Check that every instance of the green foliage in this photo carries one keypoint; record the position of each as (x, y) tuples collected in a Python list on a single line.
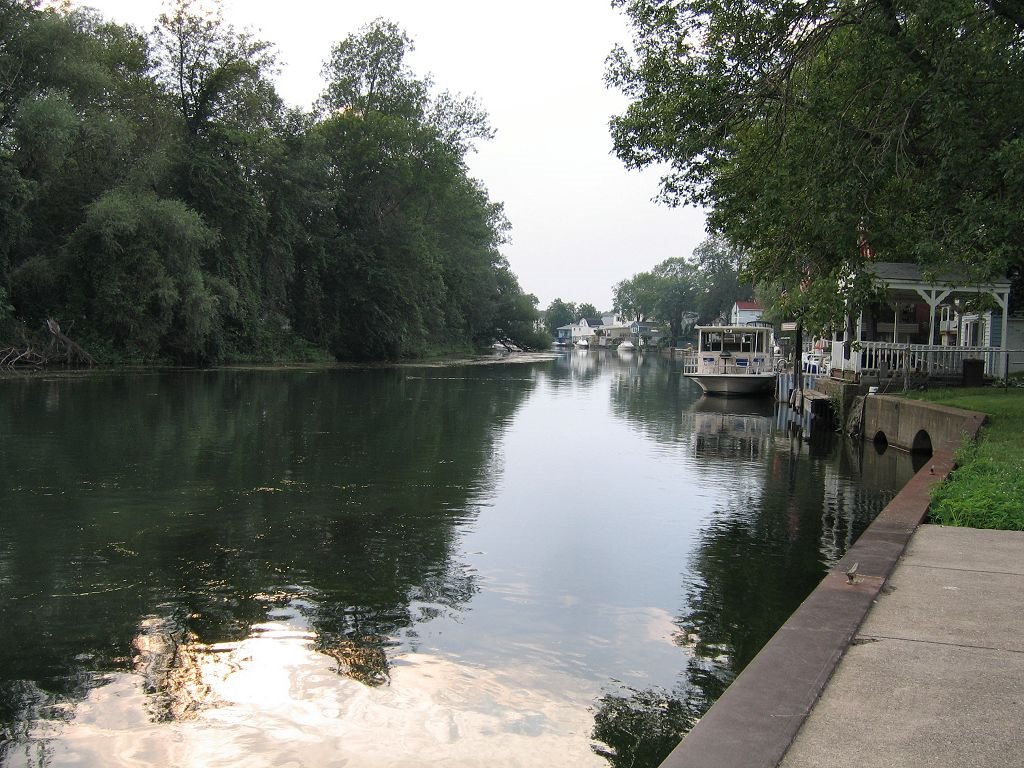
[(559, 313), (135, 265), (635, 298), (6, 310), (158, 198), (678, 291), (987, 487), (720, 277), (794, 123)]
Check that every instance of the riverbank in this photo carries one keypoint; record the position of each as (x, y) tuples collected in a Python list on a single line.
[(757, 722), (754, 723), (986, 489), (496, 358)]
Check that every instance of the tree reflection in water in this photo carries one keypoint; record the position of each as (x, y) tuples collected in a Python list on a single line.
[(260, 565), (267, 494), (759, 555)]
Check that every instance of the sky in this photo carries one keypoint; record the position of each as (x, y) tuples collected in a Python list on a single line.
[(580, 221)]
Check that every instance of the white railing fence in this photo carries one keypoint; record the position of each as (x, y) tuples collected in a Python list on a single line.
[(887, 360)]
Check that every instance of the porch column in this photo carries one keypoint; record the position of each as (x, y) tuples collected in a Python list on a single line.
[(1004, 304), (933, 297)]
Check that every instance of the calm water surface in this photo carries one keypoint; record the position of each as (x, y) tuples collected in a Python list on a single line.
[(558, 563)]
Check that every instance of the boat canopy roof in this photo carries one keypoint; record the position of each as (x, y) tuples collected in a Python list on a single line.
[(738, 328)]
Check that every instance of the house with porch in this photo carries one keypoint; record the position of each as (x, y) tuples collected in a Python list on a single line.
[(923, 327)]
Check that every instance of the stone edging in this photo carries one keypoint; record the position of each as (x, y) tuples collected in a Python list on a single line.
[(755, 721)]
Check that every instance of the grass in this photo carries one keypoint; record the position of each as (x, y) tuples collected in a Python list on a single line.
[(987, 488)]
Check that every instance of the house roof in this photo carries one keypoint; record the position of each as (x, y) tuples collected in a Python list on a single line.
[(894, 272), (751, 305)]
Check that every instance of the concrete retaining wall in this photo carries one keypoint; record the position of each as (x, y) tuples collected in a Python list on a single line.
[(754, 722), (912, 425)]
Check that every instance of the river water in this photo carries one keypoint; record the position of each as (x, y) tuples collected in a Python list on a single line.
[(550, 563)]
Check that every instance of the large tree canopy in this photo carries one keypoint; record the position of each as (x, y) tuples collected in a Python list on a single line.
[(157, 198), (800, 124)]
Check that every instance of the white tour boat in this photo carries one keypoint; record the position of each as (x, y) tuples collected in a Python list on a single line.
[(733, 360)]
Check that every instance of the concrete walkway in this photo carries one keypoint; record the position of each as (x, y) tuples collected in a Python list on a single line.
[(935, 674)]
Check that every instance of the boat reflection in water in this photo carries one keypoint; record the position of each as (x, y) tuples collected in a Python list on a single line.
[(731, 427)]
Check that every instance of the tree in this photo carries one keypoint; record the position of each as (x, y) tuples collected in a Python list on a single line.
[(367, 73), (795, 123), (636, 296), (76, 119), (676, 292), (217, 76), (414, 252), (516, 315), (228, 120), (559, 313), (136, 274), (586, 310), (720, 280)]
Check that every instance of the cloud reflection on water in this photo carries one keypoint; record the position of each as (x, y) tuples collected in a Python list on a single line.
[(272, 700)]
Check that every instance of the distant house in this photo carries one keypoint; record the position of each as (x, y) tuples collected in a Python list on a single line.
[(614, 328), (744, 312), (585, 328), (646, 333)]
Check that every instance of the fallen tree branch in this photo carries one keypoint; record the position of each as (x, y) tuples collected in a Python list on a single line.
[(61, 350)]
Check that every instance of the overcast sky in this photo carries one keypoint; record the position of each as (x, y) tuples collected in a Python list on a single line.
[(580, 221)]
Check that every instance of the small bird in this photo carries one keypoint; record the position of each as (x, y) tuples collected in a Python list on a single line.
[(851, 574)]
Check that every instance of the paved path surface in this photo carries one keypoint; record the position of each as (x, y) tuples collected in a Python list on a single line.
[(935, 676)]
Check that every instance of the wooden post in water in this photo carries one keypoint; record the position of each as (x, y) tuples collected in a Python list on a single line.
[(798, 365)]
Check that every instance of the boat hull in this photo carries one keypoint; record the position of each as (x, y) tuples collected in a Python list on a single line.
[(734, 384)]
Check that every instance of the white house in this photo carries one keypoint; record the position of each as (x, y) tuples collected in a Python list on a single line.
[(744, 312), (586, 328)]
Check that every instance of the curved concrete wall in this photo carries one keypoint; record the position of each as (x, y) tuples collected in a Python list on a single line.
[(902, 421)]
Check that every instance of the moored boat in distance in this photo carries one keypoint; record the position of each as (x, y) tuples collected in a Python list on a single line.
[(583, 344), (733, 360), (626, 346)]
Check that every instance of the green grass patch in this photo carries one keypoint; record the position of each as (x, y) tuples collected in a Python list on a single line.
[(987, 488)]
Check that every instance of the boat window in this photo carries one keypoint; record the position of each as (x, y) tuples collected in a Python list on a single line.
[(711, 342), (732, 341), (738, 342)]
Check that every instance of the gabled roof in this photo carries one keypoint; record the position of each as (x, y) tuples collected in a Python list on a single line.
[(749, 305)]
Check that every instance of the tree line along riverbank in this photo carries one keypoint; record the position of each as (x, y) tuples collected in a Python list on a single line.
[(160, 203)]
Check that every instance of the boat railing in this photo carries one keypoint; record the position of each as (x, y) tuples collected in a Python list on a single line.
[(733, 365)]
